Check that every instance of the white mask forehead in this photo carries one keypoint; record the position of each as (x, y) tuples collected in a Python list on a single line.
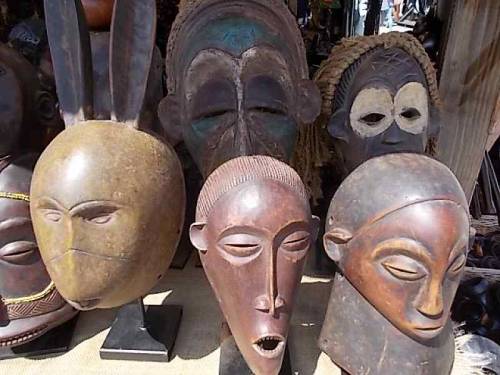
[(371, 112), (411, 105)]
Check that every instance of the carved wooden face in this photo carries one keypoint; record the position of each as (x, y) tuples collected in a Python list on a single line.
[(29, 303), (253, 256), (11, 109), (239, 87), (107, 207), (385, 109), (409, 272)]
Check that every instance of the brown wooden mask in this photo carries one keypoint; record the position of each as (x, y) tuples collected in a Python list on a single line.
[(380, 101), (29, 303), (253, 230), (237, 81), (27, 110), (398, 228), (107, 200)]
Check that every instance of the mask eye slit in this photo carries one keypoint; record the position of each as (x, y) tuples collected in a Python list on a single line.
[(410, 114), (372, 118)]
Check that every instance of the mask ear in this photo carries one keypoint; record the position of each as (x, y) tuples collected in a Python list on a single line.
[(197, 235), (337, 125), (308, 101), (170, 118), (472, 237), (434, 123), (333, 240)]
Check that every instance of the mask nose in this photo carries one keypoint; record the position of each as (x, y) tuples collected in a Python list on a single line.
[(269, 305), (242, 136), (431, 302), (393, 135)]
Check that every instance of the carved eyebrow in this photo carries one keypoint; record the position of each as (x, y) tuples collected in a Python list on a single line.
[(457, 251), (51, 203), (409, 247), (238, 229), (92, 205), (14, 222)]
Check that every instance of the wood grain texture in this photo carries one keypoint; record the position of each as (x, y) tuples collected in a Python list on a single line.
[(470, 83)]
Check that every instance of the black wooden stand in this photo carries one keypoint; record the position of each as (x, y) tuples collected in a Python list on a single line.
[(140, 334), (55, 341)]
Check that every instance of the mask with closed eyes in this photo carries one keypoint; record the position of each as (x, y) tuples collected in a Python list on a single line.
[(30, 305), (107, 199), (237, 81), (379, 97), (398, 228), (253, 255)]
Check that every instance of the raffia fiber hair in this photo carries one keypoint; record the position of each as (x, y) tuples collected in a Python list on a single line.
[(245, 169), (193, 12), (332, 78)]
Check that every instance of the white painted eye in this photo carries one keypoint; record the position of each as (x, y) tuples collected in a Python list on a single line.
[(371, 112), (411, 105)]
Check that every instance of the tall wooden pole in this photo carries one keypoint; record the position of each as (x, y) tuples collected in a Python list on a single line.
[(469, 86)]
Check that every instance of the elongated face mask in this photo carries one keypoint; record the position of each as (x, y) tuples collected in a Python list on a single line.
[(254, 257), (237, 81), (409, 273), (30, 305)]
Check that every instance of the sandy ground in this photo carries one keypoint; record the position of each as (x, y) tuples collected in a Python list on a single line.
[(197, 347)]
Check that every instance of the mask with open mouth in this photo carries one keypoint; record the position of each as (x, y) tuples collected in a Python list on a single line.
[(238, 81), (253, 230), (107, 199), (398, 228), (30, 305)]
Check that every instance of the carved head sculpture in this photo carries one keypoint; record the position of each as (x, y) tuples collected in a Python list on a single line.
[(28, 109), (398, 227), (237, 80), (253, 230), (107, 199), (379, 96), (29, 302)]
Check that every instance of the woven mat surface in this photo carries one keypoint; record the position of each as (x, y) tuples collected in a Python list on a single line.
[(197, 347)]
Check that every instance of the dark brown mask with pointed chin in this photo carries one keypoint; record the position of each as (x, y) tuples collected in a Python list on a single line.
[(30, 305), (398, 228), (107, 199), (253, 230), (237, 81), (383, 102)]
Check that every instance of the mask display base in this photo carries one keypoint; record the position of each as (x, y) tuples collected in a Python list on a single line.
[(232, 362), (140, 334), (55, 341)]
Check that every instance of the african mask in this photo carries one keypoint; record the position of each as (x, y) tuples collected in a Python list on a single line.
[(379, 96), (29, 305), (253, 230), (107, 199), (28, 110), (237, 79), (398, 228)]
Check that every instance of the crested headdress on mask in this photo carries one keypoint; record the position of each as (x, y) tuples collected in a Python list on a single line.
[(194, 14), (245, 169), (333, 78)]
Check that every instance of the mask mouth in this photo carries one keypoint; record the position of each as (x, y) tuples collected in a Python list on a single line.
[(270, 346), (84, 305)]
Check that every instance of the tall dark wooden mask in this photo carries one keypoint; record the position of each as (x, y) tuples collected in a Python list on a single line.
[(379, 97), (107, 199), (30, 305), (398, 228), (253, 230), (237, 81)]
